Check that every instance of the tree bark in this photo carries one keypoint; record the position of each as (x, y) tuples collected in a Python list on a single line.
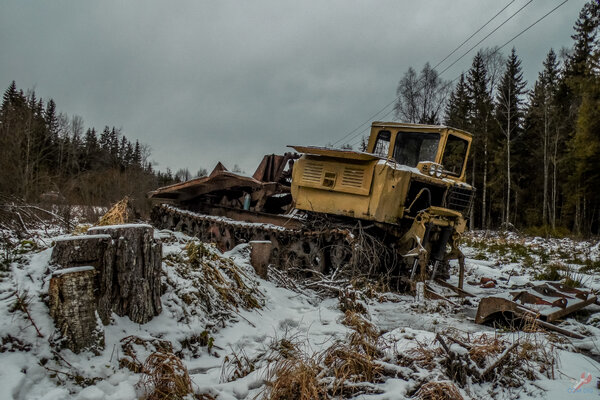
[(129, 281), (72, 307)]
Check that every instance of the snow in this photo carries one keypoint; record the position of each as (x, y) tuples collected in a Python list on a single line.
[(72, 270), (83, 237), (121, 226), (399, 167), (229, 220), (313, 321)]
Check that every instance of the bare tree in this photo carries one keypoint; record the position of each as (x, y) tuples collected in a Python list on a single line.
[(421, 99), (202, 172), (182, 175)]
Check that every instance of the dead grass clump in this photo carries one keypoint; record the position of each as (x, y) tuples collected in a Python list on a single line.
[(349, 365), (295, 379), (165, 377), (223, 275), (132, 346), (349, 301), (121, 212), (442, 390), (206, 284), (423, 355), (530, 323), (237, 365), (364, 336), (483, 347), (371, 288), (360, 324), (535, 355)]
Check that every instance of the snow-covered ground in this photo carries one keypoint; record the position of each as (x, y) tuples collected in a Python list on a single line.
[(241, 345)]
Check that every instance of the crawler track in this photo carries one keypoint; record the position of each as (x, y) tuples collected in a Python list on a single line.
[(298, 248)]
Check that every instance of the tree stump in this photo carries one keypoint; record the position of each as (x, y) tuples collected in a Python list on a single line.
[(72, 306), (129, 277), (112, 269)]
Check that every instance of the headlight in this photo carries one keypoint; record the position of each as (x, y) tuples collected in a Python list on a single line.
[(439, 171), (431, 169)]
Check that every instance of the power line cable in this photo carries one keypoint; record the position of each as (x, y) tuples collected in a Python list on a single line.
[(476, 32), (486, 36), (445, 58), (522, 32), (493, 52)]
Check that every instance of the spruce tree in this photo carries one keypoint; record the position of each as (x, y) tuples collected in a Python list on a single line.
[(509, 114), (458, 107), (479, 122)]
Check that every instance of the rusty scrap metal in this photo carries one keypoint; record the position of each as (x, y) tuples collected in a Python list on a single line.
[(546, 303)]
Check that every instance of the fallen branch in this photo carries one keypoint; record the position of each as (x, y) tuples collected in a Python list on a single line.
[(500, 359), (21, 304)]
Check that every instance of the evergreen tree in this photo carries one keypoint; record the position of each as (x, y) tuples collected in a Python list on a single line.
[(579, 99), (543, 137), (509, 114), (458, 107), (137, 155), (479, 123)]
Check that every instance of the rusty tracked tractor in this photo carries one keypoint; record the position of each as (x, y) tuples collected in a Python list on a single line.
[(397, 208)]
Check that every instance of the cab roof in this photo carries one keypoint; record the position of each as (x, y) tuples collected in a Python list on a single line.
[(381, 124)]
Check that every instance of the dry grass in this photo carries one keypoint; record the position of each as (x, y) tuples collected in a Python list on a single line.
[(204, 283), (424, 355), (295, 379), (237, 365), (485, 346), (132, 345), (121, 212), (349, 301), (364, 336), (442, 390), (223, 275), (165, 377), (530, 323), (348, 365)]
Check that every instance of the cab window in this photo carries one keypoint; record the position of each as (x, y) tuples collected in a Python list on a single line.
[(414, 147), (454, 155), (382, 144)]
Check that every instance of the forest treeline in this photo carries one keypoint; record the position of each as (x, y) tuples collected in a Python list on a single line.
[(535, 156), (45, 154)]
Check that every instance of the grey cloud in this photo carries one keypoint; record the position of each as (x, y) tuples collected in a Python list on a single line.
[(204, 81)]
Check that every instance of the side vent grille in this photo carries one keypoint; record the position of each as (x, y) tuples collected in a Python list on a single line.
[(353, 177), (312, 172)]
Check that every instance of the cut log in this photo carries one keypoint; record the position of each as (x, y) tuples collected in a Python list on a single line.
[(72, 306)]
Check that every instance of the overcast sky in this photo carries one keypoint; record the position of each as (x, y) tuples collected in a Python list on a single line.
[(203, 81)]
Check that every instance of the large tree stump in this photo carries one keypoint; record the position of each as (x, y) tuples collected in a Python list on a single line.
[(112, 269), (129, 278), (72, 306)]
